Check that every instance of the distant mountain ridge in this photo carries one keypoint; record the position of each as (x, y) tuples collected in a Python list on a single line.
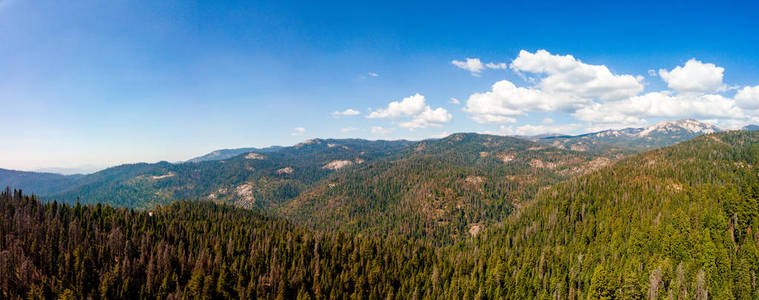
[(229, 153), (443, 189), (661, 134), (37, 182)]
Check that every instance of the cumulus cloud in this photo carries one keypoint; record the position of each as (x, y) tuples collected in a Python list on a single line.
[(748, 97), (454, 101), (529, 130), (347, 112), (567, 84), (505, 101), (694, 77), (414, 107), (381, 130), (497, 66), (298, 131), (475, 66), (661, 105), (502, 130), (692, 95), (429, 117), (566, 75), (409, 106), (601, 98)]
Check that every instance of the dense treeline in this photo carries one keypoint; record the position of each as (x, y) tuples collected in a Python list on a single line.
[(676, 223), (190, 250)]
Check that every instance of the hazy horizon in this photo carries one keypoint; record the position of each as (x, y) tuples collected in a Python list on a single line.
[(90, 168)]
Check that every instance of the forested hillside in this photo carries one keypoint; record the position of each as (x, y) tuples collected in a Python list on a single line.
[(438, 190), (192, 249), (441, 189), (229, 153), (676, 223), (248, 180), (42, 183)]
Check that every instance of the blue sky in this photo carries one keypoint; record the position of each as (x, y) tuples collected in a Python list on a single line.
[(100, 83)]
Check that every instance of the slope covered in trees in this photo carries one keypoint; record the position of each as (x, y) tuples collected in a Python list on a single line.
[(439, 190), (676, 223), (249, 180), (42, 183), (192, 250), (442, 189)]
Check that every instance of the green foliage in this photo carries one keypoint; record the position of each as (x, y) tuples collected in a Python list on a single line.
[(142, 185), (191, 249), (679, 221), (436, 190), (40, 183)]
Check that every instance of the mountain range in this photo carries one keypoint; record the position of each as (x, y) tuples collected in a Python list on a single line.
[(677, 222), (442, 189), (638, 139), (229, 153)]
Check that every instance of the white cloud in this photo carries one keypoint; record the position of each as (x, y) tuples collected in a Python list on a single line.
[(602, 114), (421, 115), (529, 130), (473, 65), (497, 66), (694, 77), (594, 95), (347, 112), (661, 105), (567, 84), (601, 98), (429, 117), (381, 130), (502, 130), (454, 101), (748, 97), (298, 131), (567, 75), (348, 129), (505, 101), (372, 74), (409, 106)]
